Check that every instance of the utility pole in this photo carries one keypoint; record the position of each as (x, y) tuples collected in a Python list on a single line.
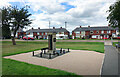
[(65, 24)]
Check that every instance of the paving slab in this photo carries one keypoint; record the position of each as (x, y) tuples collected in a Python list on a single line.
[(111, 61), (110, 65), (81, 62)]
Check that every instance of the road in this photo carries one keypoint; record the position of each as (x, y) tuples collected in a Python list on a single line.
[(64, 40)]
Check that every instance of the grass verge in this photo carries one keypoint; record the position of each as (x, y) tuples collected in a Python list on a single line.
[(13, 67), (92, 46), (24, 46)]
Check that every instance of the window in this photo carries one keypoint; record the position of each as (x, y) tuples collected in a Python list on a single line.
[(97, 31), (77, 36), (38, 33), (91, 32), (102, 31), (77, 32), (82, 32), (108, 31), (46, 33), (62, 32), (42, 33), (31, 33), (117, 32)]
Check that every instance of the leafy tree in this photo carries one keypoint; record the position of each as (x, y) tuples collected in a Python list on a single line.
[(114, 15), (5, 23), (19, 19), (14, 18), (0, 23)]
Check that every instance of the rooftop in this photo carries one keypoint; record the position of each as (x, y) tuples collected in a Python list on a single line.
[(48, 30), (94, 28)]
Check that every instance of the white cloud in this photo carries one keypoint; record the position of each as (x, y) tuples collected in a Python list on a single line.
[(4, 3), (47, 6), (86, 12)]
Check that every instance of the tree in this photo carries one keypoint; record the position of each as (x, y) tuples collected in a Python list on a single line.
[(5, 23), (114, 15), (19, 19)]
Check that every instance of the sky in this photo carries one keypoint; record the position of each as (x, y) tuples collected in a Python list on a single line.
[(75, 12)]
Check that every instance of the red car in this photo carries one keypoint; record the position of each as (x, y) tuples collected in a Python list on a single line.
[(118, 37), (28, 38), (105, 38)]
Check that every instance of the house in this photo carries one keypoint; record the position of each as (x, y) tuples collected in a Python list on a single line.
[(20, 33), (62, 33), (94, 32)]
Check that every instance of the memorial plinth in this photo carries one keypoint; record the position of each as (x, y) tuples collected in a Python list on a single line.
[(50, 52)]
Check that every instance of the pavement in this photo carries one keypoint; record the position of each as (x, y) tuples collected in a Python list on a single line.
[(111, 61), (81, 62), (64, 40)]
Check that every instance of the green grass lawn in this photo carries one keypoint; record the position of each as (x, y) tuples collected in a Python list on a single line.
[(24, 46), (92, 46), (12, 67), (115, 43)]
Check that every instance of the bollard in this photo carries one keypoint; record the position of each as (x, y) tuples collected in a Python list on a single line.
[(53, 52), (33, 53), (50, 56), (60, 51), (68, 49), (44, 51), (63, 51), (41, 54)]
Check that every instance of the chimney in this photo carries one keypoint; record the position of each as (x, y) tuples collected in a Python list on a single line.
[(61, 27), (88, 26), (32, 28), (80, 26), (38, 27), (53, 27)]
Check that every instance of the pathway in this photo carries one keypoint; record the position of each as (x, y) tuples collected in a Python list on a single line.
[(81, 62), (64, 40), (110, 65)]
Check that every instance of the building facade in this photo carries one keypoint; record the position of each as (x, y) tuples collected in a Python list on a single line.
[(94, 32), (61, 33), (20, 33)]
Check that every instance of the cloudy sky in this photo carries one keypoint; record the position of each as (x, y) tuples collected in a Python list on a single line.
[(74, 12)]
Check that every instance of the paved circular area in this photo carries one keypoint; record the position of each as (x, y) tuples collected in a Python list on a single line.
[(81, 62)]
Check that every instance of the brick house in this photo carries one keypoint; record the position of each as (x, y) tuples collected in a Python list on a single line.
[(94, 32), (20, 33), (62, 33)]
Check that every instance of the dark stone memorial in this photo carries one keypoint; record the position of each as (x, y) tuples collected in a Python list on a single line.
[(50, 52)]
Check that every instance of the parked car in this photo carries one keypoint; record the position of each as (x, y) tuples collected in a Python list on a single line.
[(105, 38), (118, 37), (28, 37)]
